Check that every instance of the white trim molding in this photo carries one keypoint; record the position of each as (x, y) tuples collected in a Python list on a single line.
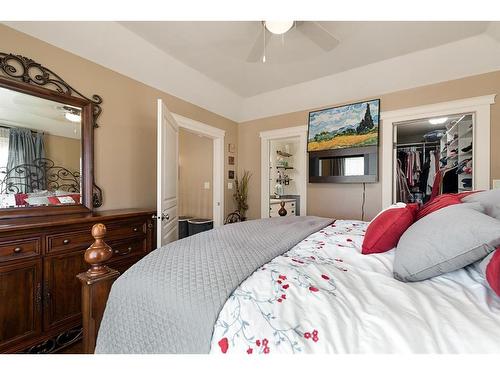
[(479, 106), (217, 135), (265, 138)]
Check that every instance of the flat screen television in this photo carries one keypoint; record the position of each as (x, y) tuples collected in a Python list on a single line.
[(343, 143)]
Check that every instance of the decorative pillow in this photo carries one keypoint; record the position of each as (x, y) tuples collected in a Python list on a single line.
[(7, 200), (490, 199), (21, 199), (384, 231), (37, 201), (441, 201), (40, 193), (65, 199), (445, 241), (490, 267)]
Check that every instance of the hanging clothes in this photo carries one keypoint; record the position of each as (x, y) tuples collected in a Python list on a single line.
[(433, 166)]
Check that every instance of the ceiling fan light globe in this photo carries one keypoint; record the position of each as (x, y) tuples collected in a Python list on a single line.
[(72, 117), (278, 27)]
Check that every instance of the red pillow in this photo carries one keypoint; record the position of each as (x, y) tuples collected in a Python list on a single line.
[(55, 199), (20, 199), (492, 271), (441, 201), (384, 231)]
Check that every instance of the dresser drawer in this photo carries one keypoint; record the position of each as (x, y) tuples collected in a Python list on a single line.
[(19, 249), (126, 229), (69, 241), (122, 249)]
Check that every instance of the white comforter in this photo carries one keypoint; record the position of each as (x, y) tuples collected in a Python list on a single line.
[(324, 296)]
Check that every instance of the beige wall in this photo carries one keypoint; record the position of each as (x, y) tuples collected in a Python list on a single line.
[(125, 143), (344, 201), (63, 151), (195, 168)]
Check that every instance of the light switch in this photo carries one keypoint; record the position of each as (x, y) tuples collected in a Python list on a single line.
[(496, 184), (206, 185), (230, 185)]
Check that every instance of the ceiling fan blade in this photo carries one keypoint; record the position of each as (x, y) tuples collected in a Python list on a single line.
[(258, 48), (318, 34)]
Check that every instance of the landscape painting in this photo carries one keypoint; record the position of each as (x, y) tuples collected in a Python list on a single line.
[(352, 125)]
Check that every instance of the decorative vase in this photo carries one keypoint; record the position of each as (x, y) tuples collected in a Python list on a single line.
[(282, 211)]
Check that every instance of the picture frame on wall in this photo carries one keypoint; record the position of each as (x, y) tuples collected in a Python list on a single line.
[(348, 126), (230, 160), (230, 175), (231, 147)]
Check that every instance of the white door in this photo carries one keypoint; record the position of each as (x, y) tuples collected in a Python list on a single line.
[(167, 176)]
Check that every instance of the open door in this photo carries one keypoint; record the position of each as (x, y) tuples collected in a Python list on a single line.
[(167, 176)]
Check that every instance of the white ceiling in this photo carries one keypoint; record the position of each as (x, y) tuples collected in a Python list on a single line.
[(220, 49), (28, 111), (422, 126), (205, 62)]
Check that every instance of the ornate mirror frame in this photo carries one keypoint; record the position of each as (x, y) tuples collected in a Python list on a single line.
[(25, 75)]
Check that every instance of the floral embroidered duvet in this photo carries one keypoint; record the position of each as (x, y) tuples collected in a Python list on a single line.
[(324, 296)]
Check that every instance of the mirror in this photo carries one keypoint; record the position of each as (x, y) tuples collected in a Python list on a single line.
[(46, 142), (40, 151), (344, 166)]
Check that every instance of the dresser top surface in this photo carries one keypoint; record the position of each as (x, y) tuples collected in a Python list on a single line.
[(58, 220)]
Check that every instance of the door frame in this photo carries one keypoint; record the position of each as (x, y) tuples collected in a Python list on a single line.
[(217, 135), (265, 138), (479, 106)]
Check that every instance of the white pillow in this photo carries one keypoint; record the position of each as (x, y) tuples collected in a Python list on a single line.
[(7, 200), (37, 201)]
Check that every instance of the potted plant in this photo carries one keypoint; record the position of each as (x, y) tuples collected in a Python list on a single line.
[(241, 193)]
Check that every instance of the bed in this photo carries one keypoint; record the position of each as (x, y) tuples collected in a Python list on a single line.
[(320, 295)]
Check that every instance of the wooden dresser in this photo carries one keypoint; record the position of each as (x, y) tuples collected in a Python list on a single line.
[(40, 296)]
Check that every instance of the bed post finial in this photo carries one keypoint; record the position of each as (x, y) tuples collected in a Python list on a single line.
[(96, 285), (98, 253)]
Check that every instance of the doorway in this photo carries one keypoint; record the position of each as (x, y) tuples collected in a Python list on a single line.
[(284, 172), (169, 125), (433, 156), (195, 175), (478, 106)]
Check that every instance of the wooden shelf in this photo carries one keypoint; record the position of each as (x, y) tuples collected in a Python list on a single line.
[(283, 153), (282, 167)]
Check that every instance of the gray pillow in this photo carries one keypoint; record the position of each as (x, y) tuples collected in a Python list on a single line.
[(490, 199), (445, 241)]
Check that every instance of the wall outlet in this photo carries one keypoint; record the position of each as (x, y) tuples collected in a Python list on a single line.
[(496, 184), (206, 185), (230, 185)]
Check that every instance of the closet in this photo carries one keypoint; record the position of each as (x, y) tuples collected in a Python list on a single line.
[(433, 156)]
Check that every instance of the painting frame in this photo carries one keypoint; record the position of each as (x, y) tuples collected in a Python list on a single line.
[(367, 137)]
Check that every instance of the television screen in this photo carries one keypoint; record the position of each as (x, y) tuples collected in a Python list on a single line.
[(352, 125)]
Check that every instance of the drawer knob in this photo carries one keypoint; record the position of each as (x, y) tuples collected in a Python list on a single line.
[(17, 250), (66, 241), (135, 229)]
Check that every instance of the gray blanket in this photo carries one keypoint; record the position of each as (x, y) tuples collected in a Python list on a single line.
[(170, 300)]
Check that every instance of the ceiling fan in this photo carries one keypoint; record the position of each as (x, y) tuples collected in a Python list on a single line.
[(312, 30)]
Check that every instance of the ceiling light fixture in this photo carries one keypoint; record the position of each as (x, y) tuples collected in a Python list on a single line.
[(278, 27), (72, 117), (438, 121)]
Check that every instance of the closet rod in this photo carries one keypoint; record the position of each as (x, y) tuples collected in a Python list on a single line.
[(417, 144)]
